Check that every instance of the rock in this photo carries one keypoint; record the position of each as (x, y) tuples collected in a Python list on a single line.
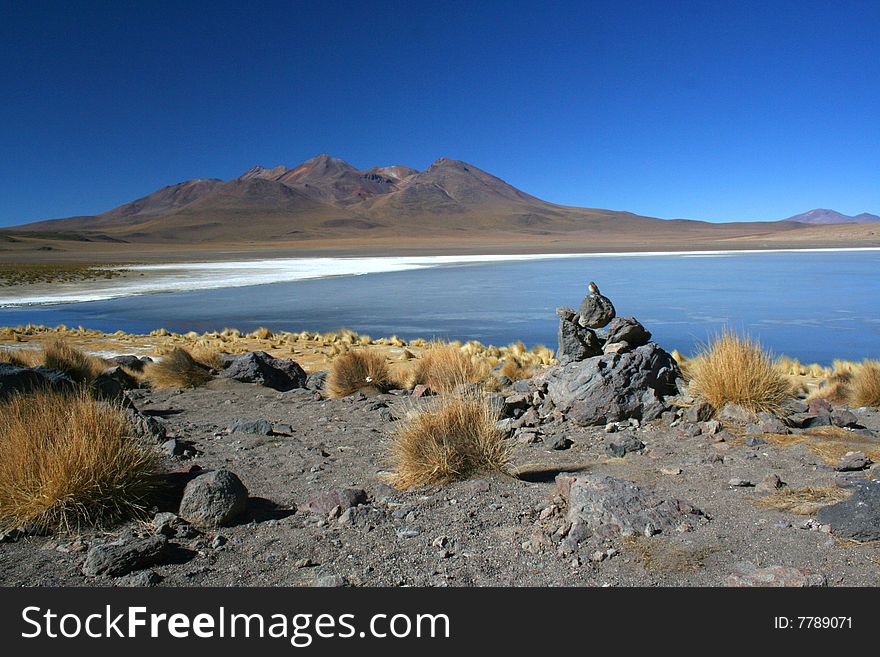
[(858, 517), (819, 406), (259, 427), (259, 367), (670, 472), (623, 445), (770, 484), (769, 423), (809, 420), (616, 347), (606, 507), (124, 556), (710, 427), (792, 405), (142, 579), (575, 342), (739, 483), (736, 414), (213, 499), (614, 387), (144, 426), (113, 383), (517, 401), (596, 311), (14, 379), (561, 443), (174, 447), (843, 418), (749, 575), (852, 461), (751, 441), (629, 330), (315, 380), (132, 362), (344, 498), (330, 580), (421, 390), (701, 411)]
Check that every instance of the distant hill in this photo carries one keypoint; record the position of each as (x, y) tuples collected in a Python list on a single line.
[(823, 217), (327, 200)]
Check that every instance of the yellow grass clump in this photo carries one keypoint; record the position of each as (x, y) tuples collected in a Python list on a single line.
[(443, 367), (515, 370), (354, 370), (68, 461), (21, 357), (866, 385), (735, 369), (803, 501), (80, 366), (177, 369), (452, 439)]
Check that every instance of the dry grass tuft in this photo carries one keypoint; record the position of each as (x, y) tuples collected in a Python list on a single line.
[(80, 366), (866, 385), (21, 357), (830, 443), (803, 501), (177, 369), (737, 370), (452, 439), (68, 461), (443, 367), (354, 370), (515, 370)]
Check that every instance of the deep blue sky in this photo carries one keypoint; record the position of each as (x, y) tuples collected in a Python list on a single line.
[(707, 110)]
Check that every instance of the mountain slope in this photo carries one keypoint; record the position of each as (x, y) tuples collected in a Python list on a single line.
[(326, 200), (823, 217)]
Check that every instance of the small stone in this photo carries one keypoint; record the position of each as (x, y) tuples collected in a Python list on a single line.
[(213, 499), (749, 575), (561, 443), (124, 556), (671, 472), (739, 483), (769, 484), (344, 498), (330, 580), (852, 462), (598, 556)]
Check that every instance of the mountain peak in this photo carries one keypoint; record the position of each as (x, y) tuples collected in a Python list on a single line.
[(825, 216)]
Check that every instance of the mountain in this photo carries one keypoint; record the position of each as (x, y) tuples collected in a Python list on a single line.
[(326, 201), (823, 217)]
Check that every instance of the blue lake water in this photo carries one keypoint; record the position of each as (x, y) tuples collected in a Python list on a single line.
[(815, 306)]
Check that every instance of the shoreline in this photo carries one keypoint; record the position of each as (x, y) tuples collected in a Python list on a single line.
[(215, 274)]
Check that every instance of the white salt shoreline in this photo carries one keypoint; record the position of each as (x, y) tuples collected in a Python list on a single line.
[(178, 277)]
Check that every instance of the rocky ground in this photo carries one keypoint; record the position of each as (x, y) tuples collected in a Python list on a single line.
[(299, 528)]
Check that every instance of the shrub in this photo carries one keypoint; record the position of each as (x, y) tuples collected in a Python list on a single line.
[(354, 370), (177, 369), (441, 368), (866, 385), (79, 366), (451, 439), (515, 370), (68, 461), (21, 357), (737, 370)]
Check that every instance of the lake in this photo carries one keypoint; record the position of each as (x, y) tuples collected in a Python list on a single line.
[(811, 305)]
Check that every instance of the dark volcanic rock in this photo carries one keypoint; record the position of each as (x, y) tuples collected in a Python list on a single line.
[(575, 341), (213, 499), (260, 427), (596, 311), (614, 387), (259, 367), (113, 383), (623, 445), (629, 330), (607, 507), (144, 426), (858, 517), (27, 379), (124, 556)]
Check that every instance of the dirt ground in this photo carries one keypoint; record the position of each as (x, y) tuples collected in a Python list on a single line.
[(499, 530)]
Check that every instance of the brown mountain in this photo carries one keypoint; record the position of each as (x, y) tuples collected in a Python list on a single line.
[(326, 201), (822, 216)]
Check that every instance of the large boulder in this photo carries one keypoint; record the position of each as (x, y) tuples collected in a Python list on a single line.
[(614, 387), (606, 507), (575, 341), (113, 383), (214, 499), (259, 367), (14, 379), (596, 311)]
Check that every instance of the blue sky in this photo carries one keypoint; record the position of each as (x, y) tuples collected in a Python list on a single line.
[(706, 110)]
